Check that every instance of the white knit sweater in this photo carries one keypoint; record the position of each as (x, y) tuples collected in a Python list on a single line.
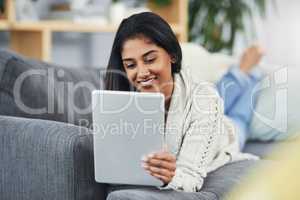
[(198, 133)]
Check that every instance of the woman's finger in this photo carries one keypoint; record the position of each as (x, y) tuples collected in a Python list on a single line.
[(152, 172), (162, 164), (161, 171), (164, 179), (163, 156)]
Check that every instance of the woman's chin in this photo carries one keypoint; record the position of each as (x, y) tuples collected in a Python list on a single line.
[(150, 88)]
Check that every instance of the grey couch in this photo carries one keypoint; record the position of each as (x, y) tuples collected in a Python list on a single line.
[(48, 154)]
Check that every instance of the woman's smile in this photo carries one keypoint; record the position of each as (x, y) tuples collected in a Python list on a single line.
[(148, 82)]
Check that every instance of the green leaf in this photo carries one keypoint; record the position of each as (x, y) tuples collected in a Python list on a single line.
[(162, 3), (208, 30)]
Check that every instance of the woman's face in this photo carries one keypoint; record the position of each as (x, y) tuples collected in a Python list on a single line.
[(148, 66)]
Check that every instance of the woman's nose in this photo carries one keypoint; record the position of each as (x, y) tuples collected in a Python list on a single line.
[(143, 72)]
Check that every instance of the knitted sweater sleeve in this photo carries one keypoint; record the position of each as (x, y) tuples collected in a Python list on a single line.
[(200, 142)]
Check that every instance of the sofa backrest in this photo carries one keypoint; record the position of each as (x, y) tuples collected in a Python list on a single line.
[(33, 89), (204, 65)]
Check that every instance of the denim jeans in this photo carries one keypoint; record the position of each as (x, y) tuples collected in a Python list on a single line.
[(237, 90)]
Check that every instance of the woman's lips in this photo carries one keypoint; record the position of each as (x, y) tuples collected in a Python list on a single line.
[(147, 82)]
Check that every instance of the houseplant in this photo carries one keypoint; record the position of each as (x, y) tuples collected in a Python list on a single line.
[(215, 23), (1, 7), (160, 3), (157, 3)]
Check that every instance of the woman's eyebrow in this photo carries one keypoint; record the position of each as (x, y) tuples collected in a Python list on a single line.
[(127, 59), (144, 55), (149, 52)]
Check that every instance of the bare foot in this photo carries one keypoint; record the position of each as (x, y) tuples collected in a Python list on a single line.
[(251, 57)]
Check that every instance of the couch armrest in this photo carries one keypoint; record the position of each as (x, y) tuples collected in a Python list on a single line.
[(42, 159)]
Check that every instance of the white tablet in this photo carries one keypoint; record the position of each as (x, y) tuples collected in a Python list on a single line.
[(126, 126)]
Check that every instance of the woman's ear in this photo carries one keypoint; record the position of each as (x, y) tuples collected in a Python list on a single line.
[(173, 59)]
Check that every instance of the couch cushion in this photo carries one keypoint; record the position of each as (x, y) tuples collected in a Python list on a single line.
[(277, 111), (4, 57), (227, 177), (265, 150), (261, 149), (204, 65), (35, 89), (42, 159)]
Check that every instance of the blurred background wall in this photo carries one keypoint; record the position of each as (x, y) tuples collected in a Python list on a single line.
[(278, 33)]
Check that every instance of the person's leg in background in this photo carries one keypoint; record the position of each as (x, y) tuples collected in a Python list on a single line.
[(236, 89)]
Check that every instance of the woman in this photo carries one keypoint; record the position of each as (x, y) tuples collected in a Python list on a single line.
[(146, 57)]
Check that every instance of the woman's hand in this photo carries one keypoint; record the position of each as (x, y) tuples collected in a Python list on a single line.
[(161, 165)]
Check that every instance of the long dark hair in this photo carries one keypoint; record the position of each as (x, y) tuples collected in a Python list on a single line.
[(145, 24)]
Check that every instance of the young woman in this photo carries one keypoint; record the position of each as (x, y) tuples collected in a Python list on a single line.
[(146, 57)]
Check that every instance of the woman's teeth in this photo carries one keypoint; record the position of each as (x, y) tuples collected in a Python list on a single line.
[(147, 82)]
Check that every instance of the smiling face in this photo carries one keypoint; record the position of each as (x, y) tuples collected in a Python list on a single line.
[(148, 66)]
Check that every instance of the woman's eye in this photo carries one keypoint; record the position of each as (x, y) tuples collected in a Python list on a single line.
[(150, 60), (129, 66)]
